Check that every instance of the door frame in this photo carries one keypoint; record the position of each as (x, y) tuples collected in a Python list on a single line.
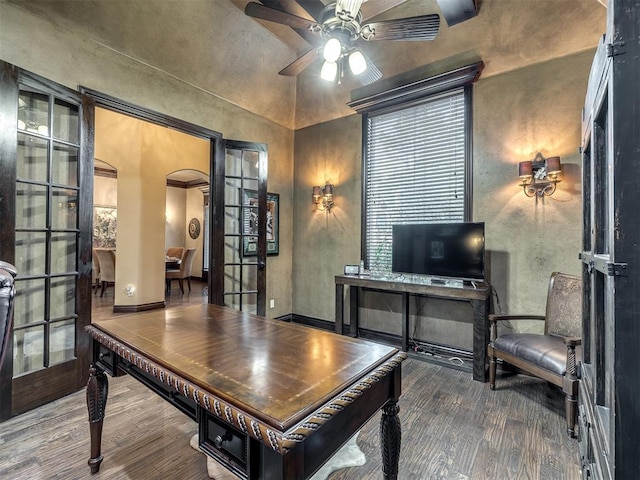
[(216, 151)]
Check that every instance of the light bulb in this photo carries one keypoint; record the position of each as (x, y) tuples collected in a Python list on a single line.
[(357, 63), (332, 50), (329, 71)]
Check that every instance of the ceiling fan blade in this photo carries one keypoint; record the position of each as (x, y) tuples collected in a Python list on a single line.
[(348, 9), (371, 74), (423, 27), (375, 7), (257, 10), (297, 66)]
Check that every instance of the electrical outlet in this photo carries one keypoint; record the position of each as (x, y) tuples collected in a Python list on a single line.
[(272, 303)]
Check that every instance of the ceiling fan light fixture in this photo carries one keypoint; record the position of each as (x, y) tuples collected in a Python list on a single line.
[(329, 71), (357, 62), (332, 50)]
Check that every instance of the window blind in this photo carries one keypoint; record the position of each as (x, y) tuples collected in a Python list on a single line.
[(415, 170)]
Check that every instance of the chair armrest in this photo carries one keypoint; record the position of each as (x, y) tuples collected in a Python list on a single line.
[(572, 341), (497, 318), (494, 319)]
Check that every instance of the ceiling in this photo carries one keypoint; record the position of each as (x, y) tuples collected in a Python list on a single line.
[(212, 46)]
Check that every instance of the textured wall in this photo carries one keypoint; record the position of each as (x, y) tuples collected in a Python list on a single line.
[(516, 114), (325, 241)]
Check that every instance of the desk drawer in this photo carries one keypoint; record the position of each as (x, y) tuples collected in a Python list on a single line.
[(225, 443), (105, 358)]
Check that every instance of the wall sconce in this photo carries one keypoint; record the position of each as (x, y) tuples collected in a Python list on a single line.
[(323, 197), (539, 176)]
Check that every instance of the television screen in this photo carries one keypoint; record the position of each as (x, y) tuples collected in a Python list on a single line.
[(453, 250)]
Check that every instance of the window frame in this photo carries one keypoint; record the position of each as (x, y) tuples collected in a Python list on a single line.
[(433, 89)]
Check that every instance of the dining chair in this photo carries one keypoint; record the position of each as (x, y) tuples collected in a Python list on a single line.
[(7, 293), (96, 271), (184, 271), (107, 261), (175, 252)]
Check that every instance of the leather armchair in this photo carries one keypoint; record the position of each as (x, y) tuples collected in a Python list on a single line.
[(7, 293), (552, 355)]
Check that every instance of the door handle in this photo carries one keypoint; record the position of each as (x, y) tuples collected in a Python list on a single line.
[(261, 264)]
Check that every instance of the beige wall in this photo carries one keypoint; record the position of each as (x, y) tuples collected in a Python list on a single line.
[(194, 208), (143, 154), (176, 212), (516, 114)]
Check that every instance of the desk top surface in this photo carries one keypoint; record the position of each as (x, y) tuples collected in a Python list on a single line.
[(418, 285), (277, 371)]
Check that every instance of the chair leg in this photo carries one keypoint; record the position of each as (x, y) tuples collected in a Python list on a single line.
[(104, 286), (570, 405), (181, 285), (492, 372), (189, 282)]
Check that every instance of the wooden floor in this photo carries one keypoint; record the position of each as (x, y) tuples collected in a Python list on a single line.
[(452, 428)]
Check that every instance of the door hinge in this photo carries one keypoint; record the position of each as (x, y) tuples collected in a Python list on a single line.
[(615, 48), (616, 269)]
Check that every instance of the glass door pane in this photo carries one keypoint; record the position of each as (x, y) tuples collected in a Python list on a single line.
[(46, 237), (244, 257)]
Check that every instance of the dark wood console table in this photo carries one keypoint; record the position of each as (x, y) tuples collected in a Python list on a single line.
[(267, 405), (479, 296)]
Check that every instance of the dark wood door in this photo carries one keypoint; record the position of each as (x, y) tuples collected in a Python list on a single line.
[(240, 227), (46, 203), (609, 424)]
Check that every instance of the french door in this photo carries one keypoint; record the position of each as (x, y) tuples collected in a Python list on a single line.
[(240, 223), (46, 199)]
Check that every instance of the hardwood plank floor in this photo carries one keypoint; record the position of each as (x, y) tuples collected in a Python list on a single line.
[(452, 428)]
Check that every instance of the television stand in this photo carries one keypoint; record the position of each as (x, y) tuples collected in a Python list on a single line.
[(477, 293)]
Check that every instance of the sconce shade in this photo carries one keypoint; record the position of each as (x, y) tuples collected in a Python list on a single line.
[(553, 165), (323, 197), (525, 169)]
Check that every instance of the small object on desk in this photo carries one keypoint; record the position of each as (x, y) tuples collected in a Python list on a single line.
[(351, 269)]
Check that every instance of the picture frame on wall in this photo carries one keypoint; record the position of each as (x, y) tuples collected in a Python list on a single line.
[(250, 225), (105, 222)]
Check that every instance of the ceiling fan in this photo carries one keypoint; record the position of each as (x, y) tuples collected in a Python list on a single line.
[(339, 29)]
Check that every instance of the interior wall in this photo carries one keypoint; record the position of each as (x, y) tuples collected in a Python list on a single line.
[(194, 208), (105, 193), (516, 114), (176, 213), (66, 56)]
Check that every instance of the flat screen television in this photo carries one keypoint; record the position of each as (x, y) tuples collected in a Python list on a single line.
[(452, 250)]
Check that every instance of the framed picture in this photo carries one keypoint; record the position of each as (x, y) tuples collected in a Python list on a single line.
[(250, 224), (105, 221)]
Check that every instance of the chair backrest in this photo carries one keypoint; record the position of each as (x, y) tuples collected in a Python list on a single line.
[(187, 261), (564, 306), (175, 252), (7, 294), (107, 261)]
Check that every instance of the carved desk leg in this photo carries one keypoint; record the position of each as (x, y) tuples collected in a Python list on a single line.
[(97, 390), (390, 439)]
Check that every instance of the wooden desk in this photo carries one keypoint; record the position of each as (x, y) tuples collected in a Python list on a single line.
[(479, 296), (272, 399)]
